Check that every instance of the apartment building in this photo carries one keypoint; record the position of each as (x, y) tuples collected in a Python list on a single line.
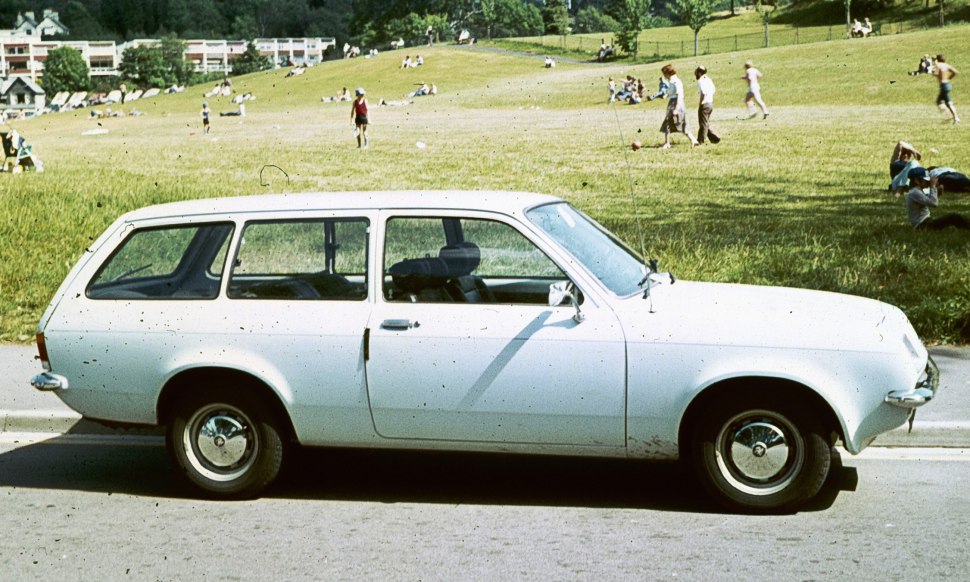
[(23, 54)]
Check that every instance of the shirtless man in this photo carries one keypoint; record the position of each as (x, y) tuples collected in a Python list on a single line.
[(945, 73)]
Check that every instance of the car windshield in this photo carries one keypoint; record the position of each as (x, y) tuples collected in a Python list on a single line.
[(607, 257)]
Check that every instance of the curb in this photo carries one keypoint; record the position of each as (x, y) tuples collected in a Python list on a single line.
[(65, 422), (928, 433), (925, 434), (51, 421)]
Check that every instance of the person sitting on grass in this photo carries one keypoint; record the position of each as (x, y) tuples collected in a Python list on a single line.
[(921, 196), (663, 87), (925, 67), (905, 157)]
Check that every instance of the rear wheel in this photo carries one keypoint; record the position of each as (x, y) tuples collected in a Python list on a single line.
[(225, 443), (758, 452)]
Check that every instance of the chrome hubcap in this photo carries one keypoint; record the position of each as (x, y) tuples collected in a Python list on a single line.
[(759, 450), (223, 441), (220, 442)]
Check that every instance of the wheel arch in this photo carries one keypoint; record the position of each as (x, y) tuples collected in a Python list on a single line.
[(816, 406), (193, 378)]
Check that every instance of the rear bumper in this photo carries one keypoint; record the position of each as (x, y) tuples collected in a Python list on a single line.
[(921, 393), (47, 382)]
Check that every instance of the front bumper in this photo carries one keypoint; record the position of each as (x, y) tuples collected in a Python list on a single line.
[(921, 393)]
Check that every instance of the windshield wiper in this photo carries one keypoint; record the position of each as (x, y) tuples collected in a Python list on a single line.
[(130, 272)]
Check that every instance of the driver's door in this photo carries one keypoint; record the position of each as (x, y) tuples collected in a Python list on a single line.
[(496, 365)]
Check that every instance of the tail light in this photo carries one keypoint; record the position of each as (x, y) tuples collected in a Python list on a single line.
[(42, 352)]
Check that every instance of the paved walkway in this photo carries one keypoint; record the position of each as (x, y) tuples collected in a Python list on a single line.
[(945, 422)]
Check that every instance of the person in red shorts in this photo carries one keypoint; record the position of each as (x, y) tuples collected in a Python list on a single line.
[(358, 113)]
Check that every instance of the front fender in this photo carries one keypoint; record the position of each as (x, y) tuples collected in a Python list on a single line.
[(666, 379)]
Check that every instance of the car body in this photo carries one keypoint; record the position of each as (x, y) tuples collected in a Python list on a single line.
[(471, 321)]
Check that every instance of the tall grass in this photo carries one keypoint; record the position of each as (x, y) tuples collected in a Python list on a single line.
[(799, 199)]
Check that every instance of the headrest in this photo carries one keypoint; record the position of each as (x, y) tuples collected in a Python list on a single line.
[(414, 275), (461, 259)]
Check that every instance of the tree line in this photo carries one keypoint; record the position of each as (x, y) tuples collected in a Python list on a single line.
[(373, 23), (365, 23)]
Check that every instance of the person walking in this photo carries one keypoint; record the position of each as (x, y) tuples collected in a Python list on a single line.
[(205, 117), (752, 76), (945, 72), (676, 119), (705, 91), (358, 113)]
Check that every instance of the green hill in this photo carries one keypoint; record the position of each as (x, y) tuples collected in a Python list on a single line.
[(799, 199)]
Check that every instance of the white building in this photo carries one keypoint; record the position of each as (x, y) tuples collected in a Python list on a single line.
[(49, 25), (21, 96), (23, 54)]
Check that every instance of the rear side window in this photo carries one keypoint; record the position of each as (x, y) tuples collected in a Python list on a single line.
[(184, 262), (323, 259)]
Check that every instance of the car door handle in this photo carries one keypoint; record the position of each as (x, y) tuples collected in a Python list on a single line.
[(399, 324)]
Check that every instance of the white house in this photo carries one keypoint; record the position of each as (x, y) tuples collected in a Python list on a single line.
[(49, 25), (21, 97)]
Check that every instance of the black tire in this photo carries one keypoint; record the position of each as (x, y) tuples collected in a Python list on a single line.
[(225, 442), (759, 452)]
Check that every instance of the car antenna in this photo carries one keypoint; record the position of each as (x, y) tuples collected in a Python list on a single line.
[(629, 177), (650, 267)]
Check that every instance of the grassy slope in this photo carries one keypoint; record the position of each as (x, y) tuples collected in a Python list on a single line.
[(798, 200), (798, 23)]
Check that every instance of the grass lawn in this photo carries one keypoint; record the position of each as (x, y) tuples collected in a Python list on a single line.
[(798, 200)]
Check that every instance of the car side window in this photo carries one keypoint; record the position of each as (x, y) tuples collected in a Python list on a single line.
[(323, 259), (182, 262), (464, 260)]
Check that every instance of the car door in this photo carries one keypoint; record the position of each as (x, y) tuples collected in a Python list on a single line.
[(463, 345)]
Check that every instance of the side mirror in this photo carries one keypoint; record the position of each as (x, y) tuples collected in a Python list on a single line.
[(563, 290)]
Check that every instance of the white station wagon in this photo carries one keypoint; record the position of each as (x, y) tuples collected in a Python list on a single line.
[(467, 321)]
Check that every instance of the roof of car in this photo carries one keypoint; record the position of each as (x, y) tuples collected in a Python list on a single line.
[(483, 200)]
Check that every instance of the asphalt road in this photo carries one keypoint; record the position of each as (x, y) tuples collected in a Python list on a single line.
[(81, 509)]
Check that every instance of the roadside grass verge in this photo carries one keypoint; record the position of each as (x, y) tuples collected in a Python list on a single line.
[(799, 199)]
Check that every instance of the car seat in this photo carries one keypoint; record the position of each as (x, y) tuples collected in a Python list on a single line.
[(461, 260)]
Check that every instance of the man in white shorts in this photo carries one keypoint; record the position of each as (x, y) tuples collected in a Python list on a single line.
[(752, 76)]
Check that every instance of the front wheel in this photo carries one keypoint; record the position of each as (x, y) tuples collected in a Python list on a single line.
[(760, 453), (225, 443)]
